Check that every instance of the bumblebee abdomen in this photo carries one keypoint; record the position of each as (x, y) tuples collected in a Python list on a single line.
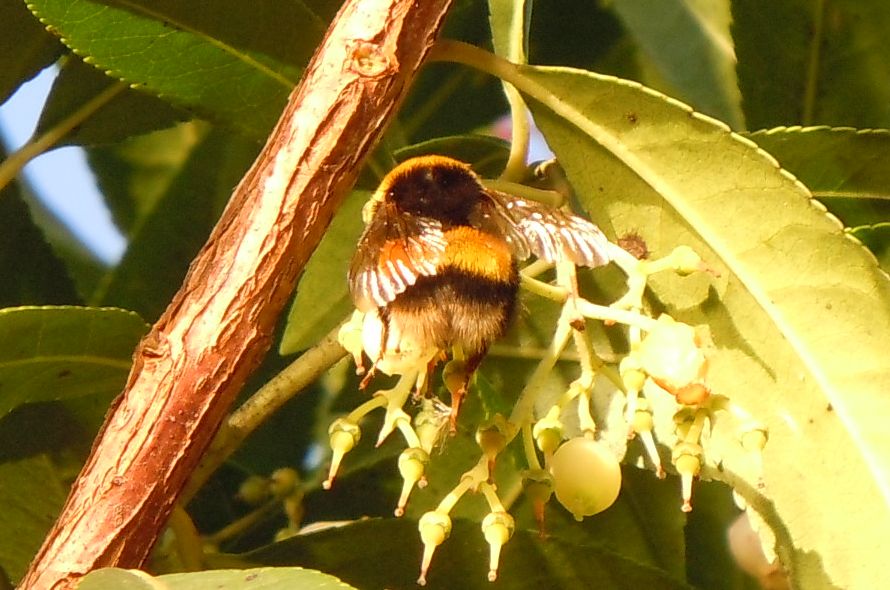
[(478, 254), (469, 301)]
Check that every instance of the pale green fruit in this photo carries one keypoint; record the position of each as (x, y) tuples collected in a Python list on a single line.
[(586, 477)]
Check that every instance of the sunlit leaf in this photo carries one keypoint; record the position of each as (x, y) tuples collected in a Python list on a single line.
[(845, 168), (509, 26), (688, 41), (253, 579), (128, 113), (224, 64), (802, 325)]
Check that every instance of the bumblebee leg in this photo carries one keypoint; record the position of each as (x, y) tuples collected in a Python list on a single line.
[(458, 394), (423, 386), (368, 376)]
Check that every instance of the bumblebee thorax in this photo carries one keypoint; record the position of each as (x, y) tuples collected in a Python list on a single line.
[(436, 187)]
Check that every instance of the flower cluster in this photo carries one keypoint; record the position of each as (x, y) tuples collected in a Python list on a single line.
[(665, 369)]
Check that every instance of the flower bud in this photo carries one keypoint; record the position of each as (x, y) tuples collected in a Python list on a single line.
[(632, 374), (434, 528), (498, 528), (685, 260), (642, 418), (350, 337), (538, 487), (686, 457), (548, 431), (412, 466), (642, 425), (492, 436), (344, 435), (294, 509), (428, 424)]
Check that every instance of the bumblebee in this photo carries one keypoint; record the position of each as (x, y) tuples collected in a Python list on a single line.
[(437, 267)]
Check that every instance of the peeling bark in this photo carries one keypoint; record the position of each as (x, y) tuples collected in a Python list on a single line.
[(191, 365)]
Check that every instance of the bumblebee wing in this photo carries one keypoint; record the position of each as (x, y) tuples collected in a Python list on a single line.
[(549, 233), (393, 252), (492, 215)]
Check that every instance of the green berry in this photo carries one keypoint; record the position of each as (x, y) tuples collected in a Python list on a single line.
[(254, 490), (586, 477), (283, 482)]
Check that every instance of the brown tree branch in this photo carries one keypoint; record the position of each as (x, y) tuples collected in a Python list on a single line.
[(188, 369)]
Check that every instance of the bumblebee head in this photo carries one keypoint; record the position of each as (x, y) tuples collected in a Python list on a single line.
[(432, 186)]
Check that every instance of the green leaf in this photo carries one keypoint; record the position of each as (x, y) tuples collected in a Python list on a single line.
[(688, 41), (31, 494), (128, 113), (800, 314), (79, 263), (254, 579), (135, 174), (53, 353), (166, 240), (586, 34), (845, 168), (487, 155), (42, 448), (389, 555), (813, 63), (32, 274), (25, 47), (509, 22), (322, 300), (644, 525), (877, 239), (447, 99), (235, 64)]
